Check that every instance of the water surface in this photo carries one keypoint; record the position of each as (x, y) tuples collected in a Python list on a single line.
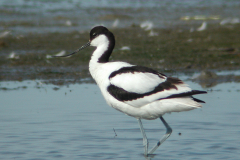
[(44, 121), (41, 16)]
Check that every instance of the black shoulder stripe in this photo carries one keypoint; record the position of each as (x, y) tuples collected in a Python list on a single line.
[(123, 95), (133, 69), (170, 83)]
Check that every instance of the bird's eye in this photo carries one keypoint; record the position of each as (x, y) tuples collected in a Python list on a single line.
[(94, 34)]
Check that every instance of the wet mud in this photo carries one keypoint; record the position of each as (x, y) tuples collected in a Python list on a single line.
[(169, 51)]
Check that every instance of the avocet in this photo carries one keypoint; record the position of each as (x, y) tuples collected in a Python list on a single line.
[(137, 91)]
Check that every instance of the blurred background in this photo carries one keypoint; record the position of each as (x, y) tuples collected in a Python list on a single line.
[(52, 109), (186, 35)]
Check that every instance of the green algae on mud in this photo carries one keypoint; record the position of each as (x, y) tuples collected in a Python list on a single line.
[(216, 48)]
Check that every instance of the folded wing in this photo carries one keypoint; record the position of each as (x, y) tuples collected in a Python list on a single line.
[(138, 86)]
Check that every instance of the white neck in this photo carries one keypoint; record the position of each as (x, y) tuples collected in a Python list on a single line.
[(101, 43), (98, 52)]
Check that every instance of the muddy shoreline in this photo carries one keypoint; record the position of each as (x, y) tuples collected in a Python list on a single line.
[(170, 51)]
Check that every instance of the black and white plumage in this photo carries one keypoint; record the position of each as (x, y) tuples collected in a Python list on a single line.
[(137, 91)]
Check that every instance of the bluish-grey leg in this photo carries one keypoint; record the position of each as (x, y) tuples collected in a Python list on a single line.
[(168, 133), (145, 141)]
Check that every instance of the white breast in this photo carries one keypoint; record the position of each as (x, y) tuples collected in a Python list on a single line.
[(101, 71)]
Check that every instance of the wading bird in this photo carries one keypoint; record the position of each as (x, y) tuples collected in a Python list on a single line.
[(137, 91)]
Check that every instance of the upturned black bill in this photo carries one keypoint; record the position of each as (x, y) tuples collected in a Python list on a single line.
[(86, 45)]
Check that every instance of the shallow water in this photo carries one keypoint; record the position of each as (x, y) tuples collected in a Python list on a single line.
[(43, 16), (40, 121)]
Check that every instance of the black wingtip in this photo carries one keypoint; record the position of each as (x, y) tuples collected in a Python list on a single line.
[(198, 92), (198, 100), (191, 93)]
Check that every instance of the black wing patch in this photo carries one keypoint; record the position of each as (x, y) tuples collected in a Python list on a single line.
[(123, 95), (133, 69)]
